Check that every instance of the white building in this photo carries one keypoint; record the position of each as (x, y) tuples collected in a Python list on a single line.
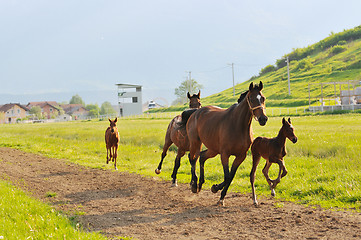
[(129, 99)]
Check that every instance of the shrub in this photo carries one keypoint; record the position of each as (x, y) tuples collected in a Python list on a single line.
[(337, 49), (304, 64), (267, 69)]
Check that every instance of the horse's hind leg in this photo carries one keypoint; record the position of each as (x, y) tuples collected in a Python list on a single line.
[(115, 157), (265, 173), (177, 160), (284, 172), (193, 156), (278, 179), (255, 158), (203, 156), (168, 142)]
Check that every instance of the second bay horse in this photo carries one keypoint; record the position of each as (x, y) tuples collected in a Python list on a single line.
[(273, 150), (178, 135), (226, 132)]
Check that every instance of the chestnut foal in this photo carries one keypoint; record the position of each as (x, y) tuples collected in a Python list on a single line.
[(112, 142), (273, 150)]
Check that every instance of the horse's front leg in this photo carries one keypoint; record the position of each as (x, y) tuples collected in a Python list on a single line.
[(228, 179), (110, 153), (255, 161), (107, 154)]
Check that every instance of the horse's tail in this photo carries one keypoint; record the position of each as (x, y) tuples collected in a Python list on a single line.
[(185, 116)]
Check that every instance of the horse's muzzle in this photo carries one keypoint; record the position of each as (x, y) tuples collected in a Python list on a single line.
[(262, 120), (294, 140), (112, 130)]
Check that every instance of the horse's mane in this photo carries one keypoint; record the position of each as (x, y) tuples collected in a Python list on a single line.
[(185, 116), (243, 95)]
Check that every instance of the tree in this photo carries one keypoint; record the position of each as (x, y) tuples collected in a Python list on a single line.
[(36, 111), (93, 110), (76, 99), (107, 109), (191, 86)]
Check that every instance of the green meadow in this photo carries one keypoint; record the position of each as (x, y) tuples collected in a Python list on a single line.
[(324, 165), (22, 217)]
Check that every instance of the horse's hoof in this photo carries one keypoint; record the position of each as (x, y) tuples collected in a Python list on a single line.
[(116, 168), (255, 203), (199, 188), (214, 188), (273, 192), (194, 189), (221, 203), (157, 171), (174, 183)]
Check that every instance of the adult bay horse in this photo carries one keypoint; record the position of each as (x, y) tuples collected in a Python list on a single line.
[(226, 132), (273, 150), (178, 135), (112, 141)]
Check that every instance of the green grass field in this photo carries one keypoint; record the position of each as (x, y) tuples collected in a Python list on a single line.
[(22, 217), (324, 165)]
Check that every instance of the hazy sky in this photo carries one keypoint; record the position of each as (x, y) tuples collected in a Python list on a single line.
[(53, 49)]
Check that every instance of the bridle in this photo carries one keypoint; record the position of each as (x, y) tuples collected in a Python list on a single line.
[(253, 108)]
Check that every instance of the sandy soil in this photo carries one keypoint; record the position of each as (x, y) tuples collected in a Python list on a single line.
[(124, 204)]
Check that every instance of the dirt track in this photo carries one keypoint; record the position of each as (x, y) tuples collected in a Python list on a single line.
[(124, 204)]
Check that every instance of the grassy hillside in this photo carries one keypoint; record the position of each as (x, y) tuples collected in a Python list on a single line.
[(334, 59)]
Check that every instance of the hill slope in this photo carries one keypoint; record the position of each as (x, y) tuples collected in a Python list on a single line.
[(334, 59)]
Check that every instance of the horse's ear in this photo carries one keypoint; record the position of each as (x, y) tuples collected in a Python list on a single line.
[(251, 86), (199, 94), (289, 120), (188, 95), (109, 120), (260, 86), (116, 119), (283, 120)]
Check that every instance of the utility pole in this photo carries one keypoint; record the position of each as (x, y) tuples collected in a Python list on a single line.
[(232, 64), (288, 74)]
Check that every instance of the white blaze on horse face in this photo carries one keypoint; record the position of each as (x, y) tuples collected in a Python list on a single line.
[(259, 98)]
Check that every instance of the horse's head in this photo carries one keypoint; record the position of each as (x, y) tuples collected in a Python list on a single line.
[(113, 124), (194, 101), (288, 130), (256, 103)]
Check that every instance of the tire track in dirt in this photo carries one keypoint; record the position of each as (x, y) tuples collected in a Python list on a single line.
[(125, 204)]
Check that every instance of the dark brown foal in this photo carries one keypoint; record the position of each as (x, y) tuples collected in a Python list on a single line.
[(273, 150)]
